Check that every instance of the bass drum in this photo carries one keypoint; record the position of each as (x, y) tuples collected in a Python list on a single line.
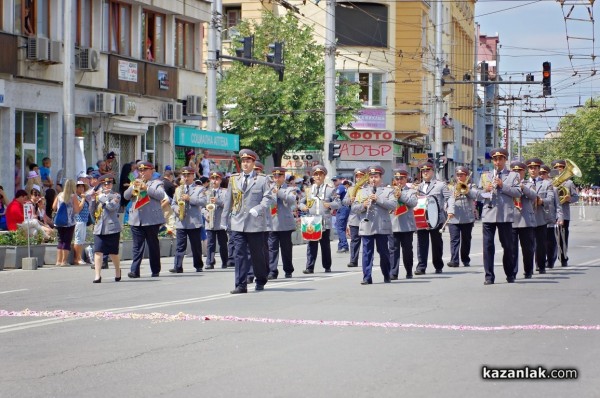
[(312, 227), (427, 212)]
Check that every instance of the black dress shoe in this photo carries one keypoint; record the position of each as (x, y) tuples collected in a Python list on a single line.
[(132, 275), (239, 290), (224, 266), (439, 271), (565, 264), (198, 269), (550, 266), (288, 276), (387, 280), (366, 282), (394, 277), (451, 264), (342, 251), (542, 271), (352, 265), (176, 270), (409, 276), (104, 265), (466, 264), (209, 266), (99, 280), (308, 271), (271, 277), (250, 279), (232, 265), (510, 280), (118, 278), (419, 272), (487, 282), (259, 287), (527, 276), (327, 270), (155, 274)]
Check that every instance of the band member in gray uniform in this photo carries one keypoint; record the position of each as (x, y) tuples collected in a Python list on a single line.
[(107, 231), (403, 225), (353, 219), (187, 204), (524, 222), (571, 197), (145, 218), (497, 189), (248, 196), (439, 190), (319, 200), (461, 212), (375, 225), (284, 224), (554, 218), (215, 231), (545, 197)]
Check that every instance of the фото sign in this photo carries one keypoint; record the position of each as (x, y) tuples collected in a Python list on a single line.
[(366, 150)]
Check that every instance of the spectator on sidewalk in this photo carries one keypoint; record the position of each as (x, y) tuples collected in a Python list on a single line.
[(14, 212)]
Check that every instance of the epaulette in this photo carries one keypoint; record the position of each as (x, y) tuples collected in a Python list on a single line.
[(235, 175)]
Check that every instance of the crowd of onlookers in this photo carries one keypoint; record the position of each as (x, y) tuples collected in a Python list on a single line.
[(589, 196)]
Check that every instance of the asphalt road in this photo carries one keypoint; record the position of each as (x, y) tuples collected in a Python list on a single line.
[(320, 335)]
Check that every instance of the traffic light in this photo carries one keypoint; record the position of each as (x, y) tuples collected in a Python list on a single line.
[(546, 82), (333, 148), (275, 56), (246, 50), (484, 72), (439, 160)]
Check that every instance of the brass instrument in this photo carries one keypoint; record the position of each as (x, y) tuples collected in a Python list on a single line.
[(570, 170), (309, 199), (236, 196), (210, 208), (181, 204), (357, 185), (100, 204), (462, 188), (139, 185)]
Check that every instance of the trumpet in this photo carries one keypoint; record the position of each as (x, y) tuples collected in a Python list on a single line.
[(462, 188), (139, 185)]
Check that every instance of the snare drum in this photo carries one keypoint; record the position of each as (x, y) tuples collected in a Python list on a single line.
[(427, 212)]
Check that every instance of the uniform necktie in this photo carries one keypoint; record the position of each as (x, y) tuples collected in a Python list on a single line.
[(245, 184), (426, 186)]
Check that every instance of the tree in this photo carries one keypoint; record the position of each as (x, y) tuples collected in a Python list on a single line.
[(270, 116), (579, 140)]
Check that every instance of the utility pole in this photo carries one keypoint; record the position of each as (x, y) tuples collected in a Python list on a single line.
[(68, 147), (211, 65), (521, 136), (439, 146), (330, 49)]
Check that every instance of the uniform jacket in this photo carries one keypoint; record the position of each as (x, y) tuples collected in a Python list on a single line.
[(545, 191), (219, 194), (566, 207), (439, 190), (378, 213), (326, 194), (353, 218), (499, 207), (525, 218), (193, 208), (283, 219), (109, 222), (405, 222), (151, 213), (462, 207), (257, 196), (555, 212)]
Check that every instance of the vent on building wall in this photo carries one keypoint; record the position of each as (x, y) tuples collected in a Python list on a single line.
[(87, 59), (194, 105), (37, 49), (121, 104), (105, 103), (172, 112)]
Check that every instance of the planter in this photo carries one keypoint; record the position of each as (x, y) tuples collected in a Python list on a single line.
[(126, 250), (50, 255), (39, 252), (166, 247), (2, 255), (14, 256)]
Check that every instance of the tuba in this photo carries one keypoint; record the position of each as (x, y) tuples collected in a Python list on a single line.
[(570, 170), (210, 208)]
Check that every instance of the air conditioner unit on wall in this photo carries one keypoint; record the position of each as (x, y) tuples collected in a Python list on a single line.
[(105, 103), (87, 59), (121, 104), (55, 52), (194, 105), (172, 112), (37, 49)]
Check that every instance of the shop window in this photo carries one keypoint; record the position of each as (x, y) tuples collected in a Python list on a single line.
[(31, 139), (117, 32), (83, 128), (371, 86), (153, 36), (32, 17), (185, 45), (84, 23), (231, 18)]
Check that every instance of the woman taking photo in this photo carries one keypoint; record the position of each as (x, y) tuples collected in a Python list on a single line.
[(107, 230), (73, 205)]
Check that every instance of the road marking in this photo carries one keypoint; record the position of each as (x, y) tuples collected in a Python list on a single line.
[(13, 291), (161, 317)]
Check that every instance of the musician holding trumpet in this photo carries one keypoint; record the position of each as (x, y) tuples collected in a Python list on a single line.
[(498, 188), (354, 219), (215, 232), (187, 203), (403, 225), (461, 217)]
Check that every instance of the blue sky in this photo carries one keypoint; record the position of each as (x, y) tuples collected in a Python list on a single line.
[(532, 32)]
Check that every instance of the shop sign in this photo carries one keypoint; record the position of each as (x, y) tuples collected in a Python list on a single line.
[(368, 118), (370, 135), (191, 137), (300, 162), (366, 150), (163, 80), (128, 71)]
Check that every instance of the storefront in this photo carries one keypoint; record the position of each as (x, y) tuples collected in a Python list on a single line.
[(222, 147)]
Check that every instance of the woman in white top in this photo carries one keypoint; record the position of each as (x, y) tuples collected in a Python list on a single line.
[(65, 233)]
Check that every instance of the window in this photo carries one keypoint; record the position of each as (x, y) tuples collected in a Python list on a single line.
[(149, 144), (371, 86), (153, 36), (231, 18), (84, 23), (185, 44), (31, 139), (361, 24), (32, 17), (117, 35)]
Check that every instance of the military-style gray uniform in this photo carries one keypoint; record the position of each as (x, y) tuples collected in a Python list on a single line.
[(462, 206), (107, 228), (403, 229), (523, 230), (189, 226), (284, 224), (217, 233), (566, 210), (545, 191), (439, 190)]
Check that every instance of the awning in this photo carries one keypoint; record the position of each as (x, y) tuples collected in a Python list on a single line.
[(117, 125)]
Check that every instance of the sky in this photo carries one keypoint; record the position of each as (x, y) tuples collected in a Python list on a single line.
[(532, 32)]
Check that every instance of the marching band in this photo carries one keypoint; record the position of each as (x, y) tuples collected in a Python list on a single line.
[(257, 211)]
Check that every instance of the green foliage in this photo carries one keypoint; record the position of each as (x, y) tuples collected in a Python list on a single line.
[(271, 116), (579, 141)]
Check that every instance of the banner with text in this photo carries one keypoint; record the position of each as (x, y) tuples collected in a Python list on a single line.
[(300, 163), (366, 150)]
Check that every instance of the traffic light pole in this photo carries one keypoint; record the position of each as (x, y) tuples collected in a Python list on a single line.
[(437, 123), (330, 49)]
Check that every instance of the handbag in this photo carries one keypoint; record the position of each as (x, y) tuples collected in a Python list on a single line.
[(61, 218)]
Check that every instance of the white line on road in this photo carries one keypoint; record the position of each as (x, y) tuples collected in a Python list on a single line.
[(13, 291)]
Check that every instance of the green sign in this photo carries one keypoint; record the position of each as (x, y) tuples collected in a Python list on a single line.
[(192, 137)]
